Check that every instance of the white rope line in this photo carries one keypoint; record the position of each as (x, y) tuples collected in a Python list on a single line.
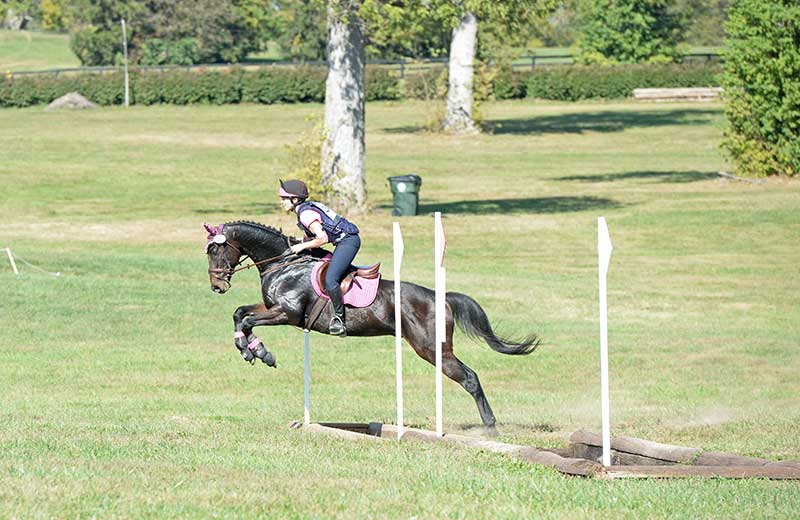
[(19, 258)]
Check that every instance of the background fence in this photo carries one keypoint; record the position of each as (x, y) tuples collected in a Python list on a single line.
[(401, 66)]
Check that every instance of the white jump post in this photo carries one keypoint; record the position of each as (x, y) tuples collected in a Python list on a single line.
[(125, 59), (306, 379), (603, 258), (439, 301), (398, 336), (11, 259)]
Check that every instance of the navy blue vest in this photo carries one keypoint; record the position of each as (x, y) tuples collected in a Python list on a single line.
[(336, 226)]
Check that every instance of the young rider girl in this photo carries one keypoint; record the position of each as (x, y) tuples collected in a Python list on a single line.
[(321, 225)]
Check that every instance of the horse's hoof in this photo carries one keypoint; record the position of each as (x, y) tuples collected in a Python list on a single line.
[(269, 359), (248, 356)]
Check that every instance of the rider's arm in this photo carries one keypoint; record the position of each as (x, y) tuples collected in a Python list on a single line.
[(319, 240)]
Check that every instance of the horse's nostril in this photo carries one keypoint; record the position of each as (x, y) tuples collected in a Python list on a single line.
[(216, 289)]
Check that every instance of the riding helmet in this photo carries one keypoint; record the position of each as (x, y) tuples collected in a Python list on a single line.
[(293, 188)]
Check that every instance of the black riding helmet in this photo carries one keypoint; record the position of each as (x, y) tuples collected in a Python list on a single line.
[(293, 188)]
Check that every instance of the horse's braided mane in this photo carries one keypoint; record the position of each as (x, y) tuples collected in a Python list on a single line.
[(262, 228)]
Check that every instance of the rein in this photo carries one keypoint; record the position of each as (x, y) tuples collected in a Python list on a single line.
[(231, 270)]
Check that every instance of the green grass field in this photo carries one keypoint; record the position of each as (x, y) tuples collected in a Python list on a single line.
[(28, 50), (123, 397)]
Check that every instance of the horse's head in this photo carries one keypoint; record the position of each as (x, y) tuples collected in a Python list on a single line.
[(223, 257)]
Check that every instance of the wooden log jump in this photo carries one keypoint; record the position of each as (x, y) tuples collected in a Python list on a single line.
[(631, 458), (678, 94)]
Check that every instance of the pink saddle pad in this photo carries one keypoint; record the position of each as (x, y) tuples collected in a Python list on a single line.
[(362, 291)]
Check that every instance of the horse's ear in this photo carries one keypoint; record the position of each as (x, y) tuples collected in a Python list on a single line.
[(209, 228)]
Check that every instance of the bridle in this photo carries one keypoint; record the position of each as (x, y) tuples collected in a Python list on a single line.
[(228, 271)]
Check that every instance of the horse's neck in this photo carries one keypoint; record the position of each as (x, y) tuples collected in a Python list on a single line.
[(254, 244)]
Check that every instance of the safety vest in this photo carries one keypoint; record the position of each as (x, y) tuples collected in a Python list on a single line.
[(336, 226)]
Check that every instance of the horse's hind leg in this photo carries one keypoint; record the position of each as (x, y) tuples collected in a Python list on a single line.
[(467, 378), (452, 367)]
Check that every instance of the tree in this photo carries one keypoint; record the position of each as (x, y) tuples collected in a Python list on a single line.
[(425, 28), (631, 31), (762, 87), (343, 148), (170, 31), (705, 20), (458, 116), (303, 34), (514, 16)]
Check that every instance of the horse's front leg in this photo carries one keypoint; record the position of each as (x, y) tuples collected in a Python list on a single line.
[(250, 344)]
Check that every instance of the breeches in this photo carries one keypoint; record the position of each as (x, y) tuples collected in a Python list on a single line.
[(343, 256)]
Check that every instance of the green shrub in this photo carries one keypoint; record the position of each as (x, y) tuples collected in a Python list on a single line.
[(762, 87), (508, 84), (307, 84), (381, 84), (427, 84), (281, 85), (184, 87), (572, 83)]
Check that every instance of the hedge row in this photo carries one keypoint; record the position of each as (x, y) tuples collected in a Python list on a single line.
[(576, 82), (297, 85), (181, 87)]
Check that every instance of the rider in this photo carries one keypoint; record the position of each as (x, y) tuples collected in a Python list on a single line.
[(322, 225)]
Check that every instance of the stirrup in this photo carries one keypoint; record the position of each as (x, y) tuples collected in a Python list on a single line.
[(336, 327)]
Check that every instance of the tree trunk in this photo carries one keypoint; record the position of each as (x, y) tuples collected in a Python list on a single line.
[(343, 149), (458, 118)]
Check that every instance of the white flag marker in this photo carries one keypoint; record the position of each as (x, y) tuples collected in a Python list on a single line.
[(398, 336), (603, 258)]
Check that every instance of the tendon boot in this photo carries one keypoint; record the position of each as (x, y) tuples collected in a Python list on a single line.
[(336, 326)]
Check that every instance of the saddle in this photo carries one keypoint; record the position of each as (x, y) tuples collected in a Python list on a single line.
[(359, 288), (369, 272)]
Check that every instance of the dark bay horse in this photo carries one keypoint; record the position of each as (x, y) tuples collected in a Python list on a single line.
[(289, 297)]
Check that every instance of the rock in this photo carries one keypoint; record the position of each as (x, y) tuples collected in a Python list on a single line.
[(71, 100)]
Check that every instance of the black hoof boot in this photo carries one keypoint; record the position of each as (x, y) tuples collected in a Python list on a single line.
[(269, 359), (265, 355), (248, 356)]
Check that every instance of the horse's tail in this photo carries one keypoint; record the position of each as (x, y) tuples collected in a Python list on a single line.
[(471, 318)]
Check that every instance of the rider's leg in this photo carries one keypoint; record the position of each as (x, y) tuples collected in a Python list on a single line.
[(343, 256)]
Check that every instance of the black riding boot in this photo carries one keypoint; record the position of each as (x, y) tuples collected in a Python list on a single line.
[(337, 327)]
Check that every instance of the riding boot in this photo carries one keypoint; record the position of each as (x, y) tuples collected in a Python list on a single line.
[(337, 326)]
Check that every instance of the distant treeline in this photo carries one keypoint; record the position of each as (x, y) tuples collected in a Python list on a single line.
[(184, 32)]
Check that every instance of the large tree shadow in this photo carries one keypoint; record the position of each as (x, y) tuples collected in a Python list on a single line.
[(675, 177), (529, 205), (579, 122)]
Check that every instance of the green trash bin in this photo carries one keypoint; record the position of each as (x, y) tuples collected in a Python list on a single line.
[(405, 191)]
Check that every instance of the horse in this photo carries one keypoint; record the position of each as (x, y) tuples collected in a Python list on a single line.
[(288, 299)]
